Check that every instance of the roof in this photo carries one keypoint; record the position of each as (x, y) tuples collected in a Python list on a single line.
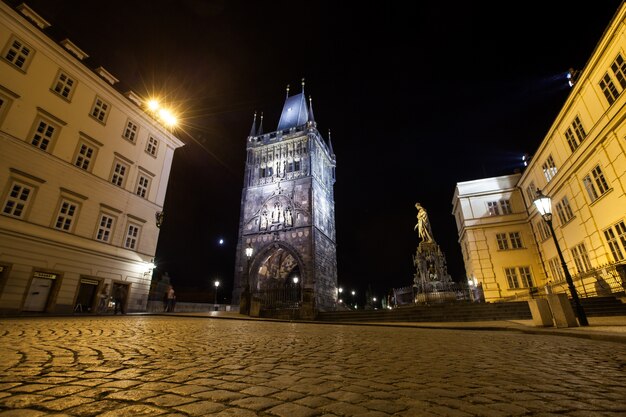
[(295, 112)]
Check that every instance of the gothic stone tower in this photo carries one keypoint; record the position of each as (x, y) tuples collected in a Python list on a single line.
[(288, 210)]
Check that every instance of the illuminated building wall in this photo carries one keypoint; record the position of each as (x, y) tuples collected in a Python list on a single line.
[(581, 165), (288, 208), (83, 171)]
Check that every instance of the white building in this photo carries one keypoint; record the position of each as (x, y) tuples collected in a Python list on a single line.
[(83, 172), (581, 165)]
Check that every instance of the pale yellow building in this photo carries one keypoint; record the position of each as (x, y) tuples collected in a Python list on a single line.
[(83, 172), (581, 165)]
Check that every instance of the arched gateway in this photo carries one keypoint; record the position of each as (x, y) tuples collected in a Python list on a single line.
[(287, 221)]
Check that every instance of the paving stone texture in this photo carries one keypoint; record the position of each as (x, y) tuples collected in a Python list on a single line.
[(182, 366)]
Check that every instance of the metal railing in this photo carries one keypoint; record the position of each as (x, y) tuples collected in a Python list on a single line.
[(288, 297)]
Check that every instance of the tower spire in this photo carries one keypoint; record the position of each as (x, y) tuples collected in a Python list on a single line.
[(303, 84), (330, 144), (253, 128), (260, 132), (287, 96), (311, 116)]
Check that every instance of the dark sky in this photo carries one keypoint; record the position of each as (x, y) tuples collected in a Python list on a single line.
[(418, 97)]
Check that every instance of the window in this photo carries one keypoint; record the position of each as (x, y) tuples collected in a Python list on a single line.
[(152, 146), (531, 192), (100, 110), (503, 243), (615, 236), (564, 210), (609, 89), (266, 172), (575, 134), (293, 166), (130, 131), (132, 235), (595, 183), (555, 269), (68, 210), (104, 233), (44, 134), (120, 170), (64, 85), (143, 185), (85, 154), (6, 99), (619, 69), (492, 208), (18, 198), (18, 53), (549, 168), (514, 275), (581, 258), (511, 241), (544, 230), (505, 206), (516, 240)]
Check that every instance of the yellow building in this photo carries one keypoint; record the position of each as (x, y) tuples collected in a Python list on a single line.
[(581, 165), (83, 172)]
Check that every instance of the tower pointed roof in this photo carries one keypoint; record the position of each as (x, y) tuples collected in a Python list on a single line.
[(260, 131), (330, 144), (311, 116), (295, 111), (253, 128)]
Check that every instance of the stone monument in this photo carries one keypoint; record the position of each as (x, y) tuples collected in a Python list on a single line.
[(432, 283)]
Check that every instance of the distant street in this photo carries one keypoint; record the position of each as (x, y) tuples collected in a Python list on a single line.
[(175, 366)]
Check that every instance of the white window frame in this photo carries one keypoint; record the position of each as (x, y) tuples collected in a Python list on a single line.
[(516, 240), (564, 211), (549, 168), (119, 173), (544, 230), (595, 183), (44, 133), (64, 85), (18, 53), (619, 70), (581, 258), (131, 129), (616, 235), (142, 188), (85, 155), (608, 88), (131, 237), (105, 227), (152, 146), (502, 240), (16, 204), (556, 270), (6, 101), (67, 215), (505, 206), (493, 208), (100, 110)]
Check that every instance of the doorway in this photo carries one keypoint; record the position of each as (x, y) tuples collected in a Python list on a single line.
[(87, 293), (39, 291)]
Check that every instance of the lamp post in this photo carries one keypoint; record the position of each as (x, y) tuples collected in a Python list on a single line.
[(246, 293), (217, 284), (544, 207)]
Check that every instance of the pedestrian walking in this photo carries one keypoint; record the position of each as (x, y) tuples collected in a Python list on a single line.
[(119, 296), (103, 299), (171, 300)]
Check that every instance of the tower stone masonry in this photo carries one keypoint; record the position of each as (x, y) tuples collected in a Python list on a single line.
[(287, 214)]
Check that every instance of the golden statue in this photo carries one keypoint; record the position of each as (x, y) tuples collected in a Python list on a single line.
[(423, 225)]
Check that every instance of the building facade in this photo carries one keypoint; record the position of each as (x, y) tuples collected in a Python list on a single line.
[(83, 174), (581, 164), (287, 215)]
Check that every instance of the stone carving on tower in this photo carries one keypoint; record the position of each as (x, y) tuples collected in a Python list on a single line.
[(287, 219), (432, 281)]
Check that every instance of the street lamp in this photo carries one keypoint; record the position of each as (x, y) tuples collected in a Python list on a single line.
[(217, 284), (544, 207), (246, 293)]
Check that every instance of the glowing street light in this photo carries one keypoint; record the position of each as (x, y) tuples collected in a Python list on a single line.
[(217, 284)]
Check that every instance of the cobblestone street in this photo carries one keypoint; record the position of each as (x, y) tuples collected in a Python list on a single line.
[(177, 366)]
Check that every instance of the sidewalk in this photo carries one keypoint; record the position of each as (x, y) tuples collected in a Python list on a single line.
[(607, 328)]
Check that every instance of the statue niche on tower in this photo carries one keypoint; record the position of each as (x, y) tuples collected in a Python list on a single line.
[(432, 282)]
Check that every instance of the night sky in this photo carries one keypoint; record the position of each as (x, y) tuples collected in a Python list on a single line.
[(418, 97)]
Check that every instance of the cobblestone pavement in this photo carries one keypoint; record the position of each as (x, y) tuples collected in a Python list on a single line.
[(182, 366)]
